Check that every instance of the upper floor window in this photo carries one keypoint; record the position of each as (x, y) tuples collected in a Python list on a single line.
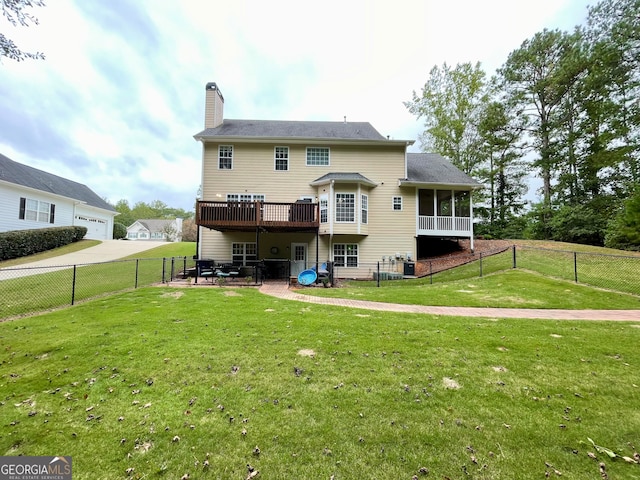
[(36, 210), (245, 197), (364, 209), (345, 207), (282, 158), (397, 203), (225, 157), (317, 156), (324, 209)]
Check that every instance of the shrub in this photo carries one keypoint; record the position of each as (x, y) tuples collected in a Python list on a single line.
[(20, 243), (119, 231)]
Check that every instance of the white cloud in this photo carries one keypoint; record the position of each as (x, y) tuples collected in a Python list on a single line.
[(121, 93)]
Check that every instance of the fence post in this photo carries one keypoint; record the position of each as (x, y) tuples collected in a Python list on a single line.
[(73, 285), (430, 272), (137, 265), (378, 275), (164, 268), (480, 265), (514, 257), (184, 266), (575, 266)]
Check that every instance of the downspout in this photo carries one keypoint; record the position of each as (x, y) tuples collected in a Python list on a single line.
[(330, 218), (197, 255), (359, 211), (471, 220)]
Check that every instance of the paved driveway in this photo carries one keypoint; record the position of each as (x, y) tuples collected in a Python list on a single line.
[(106, 251)]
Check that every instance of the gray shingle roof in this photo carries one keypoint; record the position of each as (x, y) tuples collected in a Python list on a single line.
[(344, 177), (155, 225), (293, 129), (431, 168), (14, 172)]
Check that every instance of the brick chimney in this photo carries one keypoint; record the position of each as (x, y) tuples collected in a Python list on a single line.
[(213, 107)]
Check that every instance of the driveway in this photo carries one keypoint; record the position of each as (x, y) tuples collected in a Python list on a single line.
[(106, 251)]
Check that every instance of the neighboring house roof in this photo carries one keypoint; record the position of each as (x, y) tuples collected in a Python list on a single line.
[(153, 225), (343, 177), (282, 129), (434, 169), (23, 175)]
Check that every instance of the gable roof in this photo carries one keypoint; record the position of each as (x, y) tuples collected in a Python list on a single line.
[(283, 129), (23, 175), (153, 225), (434, 169), (343, 177)]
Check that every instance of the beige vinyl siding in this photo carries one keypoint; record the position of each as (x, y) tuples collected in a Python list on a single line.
[(253, 170), (253, 173)]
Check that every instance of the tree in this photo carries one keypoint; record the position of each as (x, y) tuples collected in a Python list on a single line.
[(613, 26), (538, 77), (125, 216), (119, 231), (189, 230), (624, 231), (14, 12), (450, 103), (500, 132)]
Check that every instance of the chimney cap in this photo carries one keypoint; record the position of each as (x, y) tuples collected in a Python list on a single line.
[(213, 86)]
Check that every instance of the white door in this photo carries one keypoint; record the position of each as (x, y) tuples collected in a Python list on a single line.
[(298, 258)]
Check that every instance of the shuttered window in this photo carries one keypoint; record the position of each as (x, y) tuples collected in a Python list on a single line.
[(36, 210)]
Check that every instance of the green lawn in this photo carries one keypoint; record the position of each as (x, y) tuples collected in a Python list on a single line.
[(56, 288), (56, 252), (509, 289), (169, 382)]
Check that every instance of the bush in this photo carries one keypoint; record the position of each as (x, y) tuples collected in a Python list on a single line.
[(623, 231), (119, 231), (20, 243)]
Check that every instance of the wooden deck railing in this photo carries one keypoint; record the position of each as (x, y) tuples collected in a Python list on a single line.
[(250, 215)]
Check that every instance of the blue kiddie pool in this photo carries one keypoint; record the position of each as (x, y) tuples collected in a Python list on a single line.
[(307, 277)]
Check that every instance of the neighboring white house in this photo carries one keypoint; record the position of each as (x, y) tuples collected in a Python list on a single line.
[(158, 230), (32, 198)]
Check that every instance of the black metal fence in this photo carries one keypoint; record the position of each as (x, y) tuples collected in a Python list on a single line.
[(25, 290), (613, 272)]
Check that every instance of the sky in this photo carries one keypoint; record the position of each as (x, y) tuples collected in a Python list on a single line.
[(120, 95)]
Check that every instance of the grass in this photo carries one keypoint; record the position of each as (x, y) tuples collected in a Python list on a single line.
[(508, 289), (56, 287), (72, 247), (162, 380)]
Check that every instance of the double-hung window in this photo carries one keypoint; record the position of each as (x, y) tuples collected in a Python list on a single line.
[(345, 254), (281, 159), (345, 207), (317, 156), (364, 209), (36, 210), (243, 252), (397, 204), (245, 197), (324, 209), (225, 157)]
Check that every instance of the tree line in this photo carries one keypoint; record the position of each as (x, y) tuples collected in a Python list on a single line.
[(563, 109)]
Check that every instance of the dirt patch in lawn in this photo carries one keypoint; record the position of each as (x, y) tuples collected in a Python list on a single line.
[(461, 255)]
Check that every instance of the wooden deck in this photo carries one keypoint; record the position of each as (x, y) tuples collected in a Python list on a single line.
[(248, 216)]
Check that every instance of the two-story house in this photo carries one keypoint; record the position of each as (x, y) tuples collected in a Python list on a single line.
[(309, 191)]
